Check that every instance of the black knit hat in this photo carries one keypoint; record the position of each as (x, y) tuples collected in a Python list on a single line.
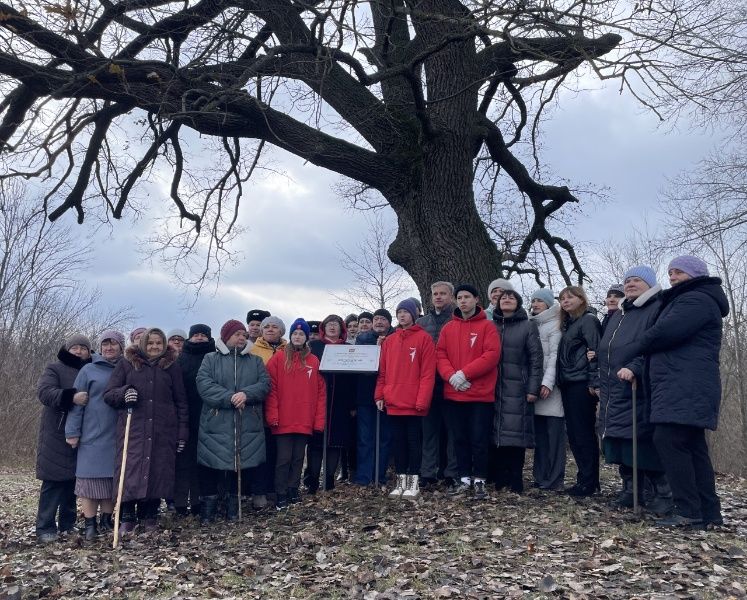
[(383, 312), (466, 287), (257, 315), (314, 326), (367, 315), (200, 328)]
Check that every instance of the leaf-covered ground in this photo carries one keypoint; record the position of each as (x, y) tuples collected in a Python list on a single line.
[(357, 543)]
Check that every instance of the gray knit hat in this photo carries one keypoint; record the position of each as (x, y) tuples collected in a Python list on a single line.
[(112, 334), (545, 295), (692, 265), (504, 284), (180, 332), (274, 321), (77, 339)]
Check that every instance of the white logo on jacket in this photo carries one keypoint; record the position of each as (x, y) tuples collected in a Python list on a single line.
[(472, 339), (412, 354), (309, 371)]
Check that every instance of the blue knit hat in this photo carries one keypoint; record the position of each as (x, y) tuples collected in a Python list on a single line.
[(691, 265), (545, 295), (410, 306), (302, 325), (642, 272)]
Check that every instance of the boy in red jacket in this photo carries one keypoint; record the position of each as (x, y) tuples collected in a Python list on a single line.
[(295, 408), (468, 353), (407, 371)]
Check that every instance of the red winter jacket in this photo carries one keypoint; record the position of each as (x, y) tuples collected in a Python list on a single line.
[(473, 347), (407, 372), (297, 402)]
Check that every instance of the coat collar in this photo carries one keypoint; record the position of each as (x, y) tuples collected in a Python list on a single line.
[(70, 360), (547, 315), (221, 347), (135, 357), (642, 300)]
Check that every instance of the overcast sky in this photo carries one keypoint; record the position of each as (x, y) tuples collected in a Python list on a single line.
[(294, 221)]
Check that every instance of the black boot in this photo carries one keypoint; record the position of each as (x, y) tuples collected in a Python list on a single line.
[(232, 507), (105, 522), (208, 508), (660, 503), (91, 532), (293, 497)]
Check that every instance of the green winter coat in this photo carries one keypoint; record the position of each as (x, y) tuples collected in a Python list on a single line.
[(222, 374)]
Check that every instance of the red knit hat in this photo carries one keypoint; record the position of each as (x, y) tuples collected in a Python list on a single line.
[(229, 328)]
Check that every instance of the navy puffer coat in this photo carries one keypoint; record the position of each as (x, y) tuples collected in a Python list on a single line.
[(683, 346), (616, 351)]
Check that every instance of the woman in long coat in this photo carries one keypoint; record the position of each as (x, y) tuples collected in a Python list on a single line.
[(233, 385), (517, 391), (55, 459), (92, 429), (150, 382)]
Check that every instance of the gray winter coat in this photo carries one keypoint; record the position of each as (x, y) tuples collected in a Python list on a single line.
[(95, 423), (221, 375), (433, 323), (549, 331), (520, 374), (55, 459)]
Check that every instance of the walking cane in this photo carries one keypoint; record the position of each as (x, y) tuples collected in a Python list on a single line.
[(636, 507), (324, 457), (120, 489), (237, 443), (376, 453)]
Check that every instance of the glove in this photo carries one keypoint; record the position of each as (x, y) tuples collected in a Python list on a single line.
[(130, 398), (180, 445), (457, 379), (464, 386)]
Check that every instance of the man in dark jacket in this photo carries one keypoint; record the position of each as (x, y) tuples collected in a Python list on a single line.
[(55, 459), (186, 487), (615, 296), (434, 429), (366, 409), (683, 348)]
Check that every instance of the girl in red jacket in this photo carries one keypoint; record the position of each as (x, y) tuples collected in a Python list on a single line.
[(407, 371), (295, 408)]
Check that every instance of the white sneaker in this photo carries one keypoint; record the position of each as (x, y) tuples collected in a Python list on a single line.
[(413, 487), (400, 487)]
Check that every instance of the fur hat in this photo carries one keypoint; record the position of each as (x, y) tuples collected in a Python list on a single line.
[(273, 321), (409, 305), (229, 328), (111, 334), (691, 265), (466, 287), (174, 332), (642, 272), (503, 284), (257, 315), (382, 312), (136, 332), (545, 295), (618, 289), (77, 339), (314, 326), (300, 325), (200, 328)]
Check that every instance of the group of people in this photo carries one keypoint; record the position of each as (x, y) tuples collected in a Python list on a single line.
[(461, 392)]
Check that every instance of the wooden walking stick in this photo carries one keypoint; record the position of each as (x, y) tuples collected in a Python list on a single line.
[(120, 489), (376, 453), (636, 507), (237, 443)]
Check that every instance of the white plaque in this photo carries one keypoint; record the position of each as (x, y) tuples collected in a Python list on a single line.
[(346, 358)]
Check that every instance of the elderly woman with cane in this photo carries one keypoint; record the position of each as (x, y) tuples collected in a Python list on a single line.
[(233, 385), (148, 384)]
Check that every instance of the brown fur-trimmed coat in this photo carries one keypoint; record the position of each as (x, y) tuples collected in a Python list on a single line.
[(159, 420)]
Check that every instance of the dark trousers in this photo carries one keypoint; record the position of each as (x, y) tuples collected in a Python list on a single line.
[(549, 452), (580, 408), (366, 455), (291, 449), (140, 509), (434, 438), (407, 443), (684, 453), (349, 454), (186, 484), (470, 425), (262, 477), (56, 507), (509, 468), (211, 480), (314, 458)]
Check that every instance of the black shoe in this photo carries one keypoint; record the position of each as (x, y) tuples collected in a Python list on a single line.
[(660, 500), (282, 502), (582, 491), (232, 507), (105, 522), (293, 497), (181, 511), (170, 506), (91, 532), (711, 522), (208, 506), (428, 483), (680, 521)]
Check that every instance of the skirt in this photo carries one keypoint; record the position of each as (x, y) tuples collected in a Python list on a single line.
[(619, 451), (94, 488)]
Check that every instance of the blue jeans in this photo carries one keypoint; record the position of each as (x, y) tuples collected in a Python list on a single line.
[(364, 473)]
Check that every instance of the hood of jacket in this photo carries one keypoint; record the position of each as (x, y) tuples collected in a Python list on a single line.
[(552, 313), (478, 316), (646, 297), (221, 347), (519, 315), (100, 360), (70, 360), (135, 357), (710, 286)]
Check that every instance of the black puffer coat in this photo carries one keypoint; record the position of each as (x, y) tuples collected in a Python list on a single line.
[(616, 348), (520, 374), (189, 361), (683, 345), (55, 459), (434, 322), (579, 335)]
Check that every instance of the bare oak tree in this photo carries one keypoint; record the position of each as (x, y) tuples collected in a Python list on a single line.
[(411, 100)]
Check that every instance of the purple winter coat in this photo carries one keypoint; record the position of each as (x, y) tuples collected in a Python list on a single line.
[(159, 420)]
